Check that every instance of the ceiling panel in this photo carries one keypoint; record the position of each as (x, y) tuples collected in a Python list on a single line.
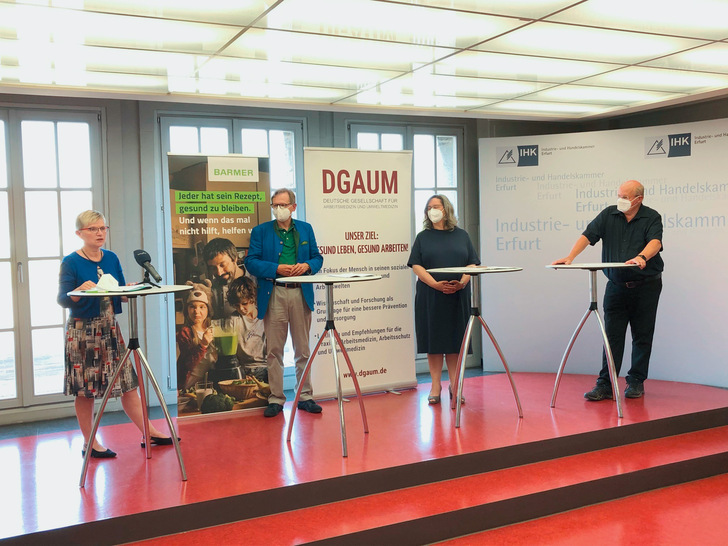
[(696, 18), (548, 110), (518, 67), (332, 50), (584, 43), (367, 20), (524, 59), (36, 25), (424, 81), (655, 79), (247, 70), (392, 97), (229, 12), (709, 58), (528, 9), (613, 96)]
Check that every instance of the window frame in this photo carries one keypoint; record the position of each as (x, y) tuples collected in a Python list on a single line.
[(22, 325)]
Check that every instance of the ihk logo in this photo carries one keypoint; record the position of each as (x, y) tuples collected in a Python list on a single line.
[(519, 156), (668, 146)]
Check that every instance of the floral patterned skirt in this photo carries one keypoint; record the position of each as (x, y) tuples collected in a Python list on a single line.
[(94, 349)]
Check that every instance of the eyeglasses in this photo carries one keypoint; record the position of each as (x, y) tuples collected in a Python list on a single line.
[(102, 229), (276, 207)]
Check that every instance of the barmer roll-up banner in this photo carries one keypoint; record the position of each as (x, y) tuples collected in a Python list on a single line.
[(537, 196), (359, 204), (215, 203)]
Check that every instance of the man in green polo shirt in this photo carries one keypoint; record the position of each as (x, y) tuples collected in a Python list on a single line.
[(285, 248)]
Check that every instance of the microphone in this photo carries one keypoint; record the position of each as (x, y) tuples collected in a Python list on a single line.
[(145, 260)]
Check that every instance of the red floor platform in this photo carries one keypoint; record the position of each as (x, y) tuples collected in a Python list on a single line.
[(241, 466)]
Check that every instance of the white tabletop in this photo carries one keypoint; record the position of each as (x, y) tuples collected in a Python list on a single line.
[(477, 270), (330, 278), (126, 291), (593, 266)]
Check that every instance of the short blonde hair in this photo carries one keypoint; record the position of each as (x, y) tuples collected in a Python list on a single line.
[(88, 217)]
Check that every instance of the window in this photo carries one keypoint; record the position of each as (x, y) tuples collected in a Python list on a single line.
[(437, 158), (55, 174), (282, 142), (435, 170)]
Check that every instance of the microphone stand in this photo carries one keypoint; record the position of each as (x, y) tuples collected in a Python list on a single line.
[(147, 280)]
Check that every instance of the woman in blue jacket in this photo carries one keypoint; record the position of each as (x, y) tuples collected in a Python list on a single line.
[(94, 345)]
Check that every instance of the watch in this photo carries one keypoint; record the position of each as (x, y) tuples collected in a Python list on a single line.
[(643, 257)]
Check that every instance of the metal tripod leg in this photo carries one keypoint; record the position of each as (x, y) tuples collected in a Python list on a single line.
[(566, 355), (457, 392), (475, 312), (505, 365), (593, 307), (145, 409), (168, 417), (97, 417), (334, 340), (304, 375), (354, 379), (610, 365), (140, 362)]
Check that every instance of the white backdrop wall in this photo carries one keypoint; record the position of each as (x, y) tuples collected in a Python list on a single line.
[(537, 195)]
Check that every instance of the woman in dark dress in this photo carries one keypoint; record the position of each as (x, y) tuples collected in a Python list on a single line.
[(442, 307), (94, 346)]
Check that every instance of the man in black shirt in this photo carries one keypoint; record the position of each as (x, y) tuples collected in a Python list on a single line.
[(630, 233)]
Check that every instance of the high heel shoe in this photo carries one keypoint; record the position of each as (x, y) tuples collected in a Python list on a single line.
[(462, 398), (157, 441), (433, 399)]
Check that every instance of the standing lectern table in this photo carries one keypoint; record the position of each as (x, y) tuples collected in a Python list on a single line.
[(140, 363), (475, 273), (330, 280), (593, 307)]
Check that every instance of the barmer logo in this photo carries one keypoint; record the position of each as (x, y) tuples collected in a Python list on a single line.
[(232, 169), (668, 146), (517, 156)]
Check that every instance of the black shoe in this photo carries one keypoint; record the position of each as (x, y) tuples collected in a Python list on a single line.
[(462, 398), (272, 410), (310, 406), (599, 392), (634, 390), (108, 454), (157, 441)]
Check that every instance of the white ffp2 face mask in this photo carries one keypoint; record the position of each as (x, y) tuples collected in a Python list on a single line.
[(435, 215), (282, 214), (623, 205)]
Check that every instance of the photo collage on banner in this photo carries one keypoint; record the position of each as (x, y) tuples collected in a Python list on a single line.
[(216, 201), (359, 203), (539, 193)]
